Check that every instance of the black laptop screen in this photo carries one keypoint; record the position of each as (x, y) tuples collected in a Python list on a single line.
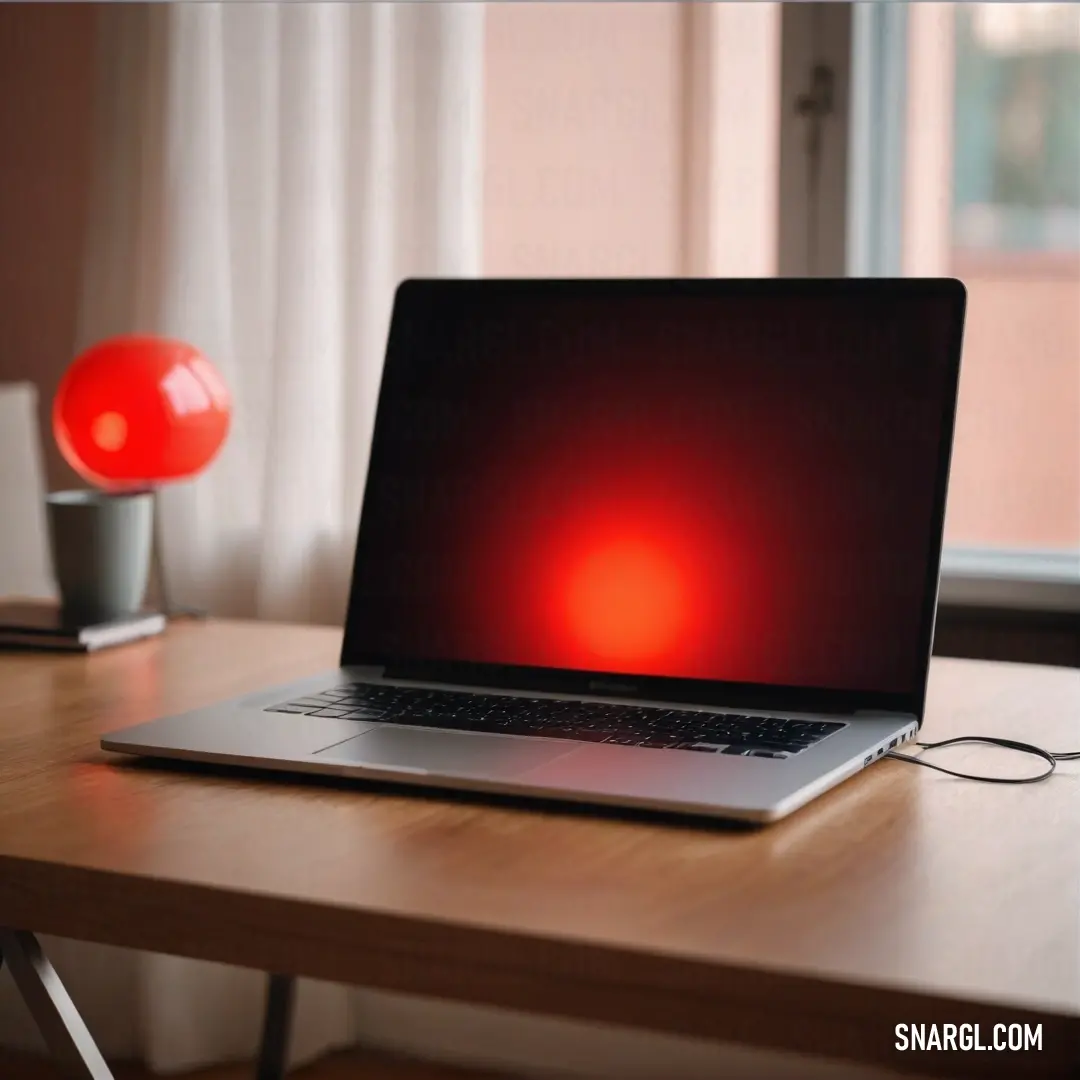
[(741, 483)]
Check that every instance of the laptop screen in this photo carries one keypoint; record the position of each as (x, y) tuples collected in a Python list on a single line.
[(723, 481)]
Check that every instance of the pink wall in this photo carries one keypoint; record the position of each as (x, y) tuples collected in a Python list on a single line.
[(583, 144), (46, 114), (1016, 464)]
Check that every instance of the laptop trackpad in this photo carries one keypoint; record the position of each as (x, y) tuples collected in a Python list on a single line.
[(456, 753)]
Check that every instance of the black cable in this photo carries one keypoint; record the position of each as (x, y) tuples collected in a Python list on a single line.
[(1007, 744)]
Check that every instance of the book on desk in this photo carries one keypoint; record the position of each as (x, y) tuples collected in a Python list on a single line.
[(35, 625)]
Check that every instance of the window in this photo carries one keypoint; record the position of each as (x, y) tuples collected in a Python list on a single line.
[(1016, 168)]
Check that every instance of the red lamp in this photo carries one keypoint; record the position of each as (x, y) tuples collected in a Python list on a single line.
[(132, 413)]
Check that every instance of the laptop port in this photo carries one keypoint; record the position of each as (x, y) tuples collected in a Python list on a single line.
[(868, 759), (893, 743)]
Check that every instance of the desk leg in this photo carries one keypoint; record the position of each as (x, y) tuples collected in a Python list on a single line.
[(274, 1049), (65, 1034)]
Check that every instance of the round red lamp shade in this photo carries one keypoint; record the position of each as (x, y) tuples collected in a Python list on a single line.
[(135, 411)]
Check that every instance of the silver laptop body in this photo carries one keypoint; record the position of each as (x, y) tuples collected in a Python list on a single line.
[(552, 730)]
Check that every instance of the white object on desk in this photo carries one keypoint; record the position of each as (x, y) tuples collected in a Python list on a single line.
[(25, 568)]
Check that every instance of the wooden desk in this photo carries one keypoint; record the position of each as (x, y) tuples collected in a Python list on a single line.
[(902, 896)]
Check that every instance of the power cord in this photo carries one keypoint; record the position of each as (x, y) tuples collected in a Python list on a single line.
[(988, 740)]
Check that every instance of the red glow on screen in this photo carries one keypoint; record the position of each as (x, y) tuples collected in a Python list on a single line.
[(609, 579), (626, 601)]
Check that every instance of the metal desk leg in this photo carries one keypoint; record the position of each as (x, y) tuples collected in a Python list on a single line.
[(53, 1011), (274, 1049)]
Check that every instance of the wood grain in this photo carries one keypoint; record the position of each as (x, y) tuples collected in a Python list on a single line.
[(901, 896)]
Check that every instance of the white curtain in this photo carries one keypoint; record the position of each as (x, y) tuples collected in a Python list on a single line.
[(265, 175)]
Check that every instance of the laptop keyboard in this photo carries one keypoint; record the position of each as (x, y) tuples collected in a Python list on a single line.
[(580, 721)]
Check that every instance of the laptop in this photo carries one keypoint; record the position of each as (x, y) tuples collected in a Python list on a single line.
[(667, 544)]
